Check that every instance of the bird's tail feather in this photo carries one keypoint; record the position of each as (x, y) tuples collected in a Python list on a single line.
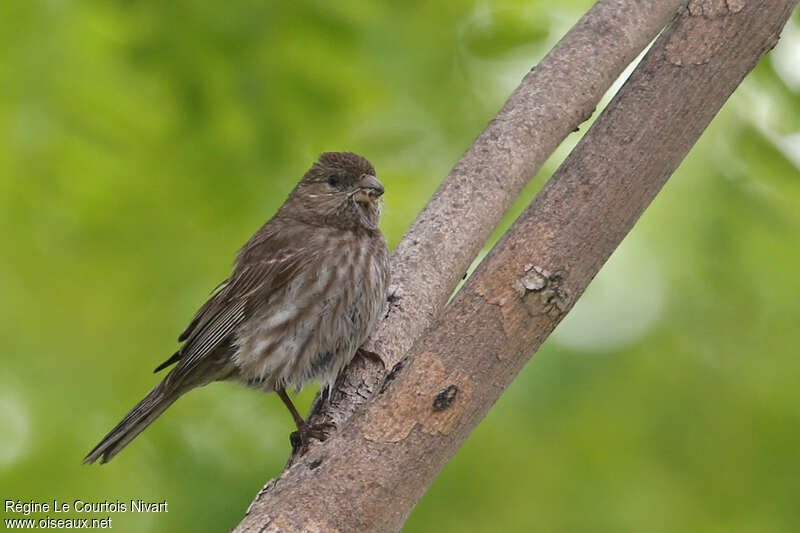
[(137, 419)]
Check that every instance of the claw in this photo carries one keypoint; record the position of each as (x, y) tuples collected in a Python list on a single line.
[(371, 355), (301, 438)]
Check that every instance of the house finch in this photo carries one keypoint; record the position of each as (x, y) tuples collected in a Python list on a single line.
[(306, 291)]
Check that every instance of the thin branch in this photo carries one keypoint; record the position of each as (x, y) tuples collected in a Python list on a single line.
[(369, 476)]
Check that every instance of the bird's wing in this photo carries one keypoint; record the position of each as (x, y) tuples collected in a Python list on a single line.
[(266, 263)]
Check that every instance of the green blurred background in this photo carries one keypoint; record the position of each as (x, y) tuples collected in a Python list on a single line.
[(144, 141)]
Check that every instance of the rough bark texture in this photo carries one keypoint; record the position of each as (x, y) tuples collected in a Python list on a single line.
[(371, 473), (553, 99)]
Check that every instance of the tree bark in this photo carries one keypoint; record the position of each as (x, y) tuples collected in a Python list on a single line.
[(371, 473), (554, 98)]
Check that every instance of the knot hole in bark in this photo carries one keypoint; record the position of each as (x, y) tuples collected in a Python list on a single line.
[(445, 398)]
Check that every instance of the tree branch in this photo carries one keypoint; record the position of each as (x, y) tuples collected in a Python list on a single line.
[(373, 471), (553, 99)]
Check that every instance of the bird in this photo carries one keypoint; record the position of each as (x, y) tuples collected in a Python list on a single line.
[(305, 292)]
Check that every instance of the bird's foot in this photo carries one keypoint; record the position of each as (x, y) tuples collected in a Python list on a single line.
[(301, 438), (366, 354)]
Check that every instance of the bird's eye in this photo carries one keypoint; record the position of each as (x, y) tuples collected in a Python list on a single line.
[(334, 180)]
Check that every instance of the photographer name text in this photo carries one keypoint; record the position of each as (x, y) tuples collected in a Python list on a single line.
[(26, 508)]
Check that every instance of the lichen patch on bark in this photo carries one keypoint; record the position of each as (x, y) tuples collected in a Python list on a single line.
[(714, 8), (701, 32), (542, 291)]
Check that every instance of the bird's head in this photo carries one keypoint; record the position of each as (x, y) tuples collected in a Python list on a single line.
[(339, 190)]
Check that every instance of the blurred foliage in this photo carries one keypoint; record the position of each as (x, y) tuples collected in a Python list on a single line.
[(144, 141)]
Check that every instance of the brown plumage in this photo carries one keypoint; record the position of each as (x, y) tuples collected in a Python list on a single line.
[(305, 292)]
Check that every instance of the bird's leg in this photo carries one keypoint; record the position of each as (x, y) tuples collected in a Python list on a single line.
[(289, 405), (305, 431)]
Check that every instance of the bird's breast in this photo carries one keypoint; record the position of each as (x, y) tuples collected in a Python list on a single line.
[(313, 325)]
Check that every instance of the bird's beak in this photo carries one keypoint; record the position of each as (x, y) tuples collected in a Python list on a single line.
[(369, 189)]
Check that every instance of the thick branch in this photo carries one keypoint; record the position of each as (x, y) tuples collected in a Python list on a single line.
[(553, 99), (370, 475)]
